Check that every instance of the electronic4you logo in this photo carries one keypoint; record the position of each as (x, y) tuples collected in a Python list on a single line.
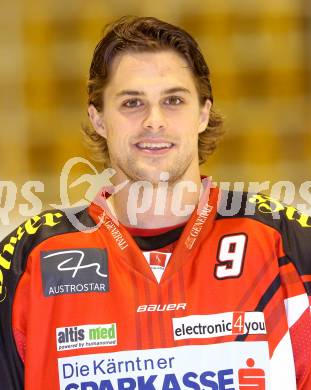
[(218, 325)]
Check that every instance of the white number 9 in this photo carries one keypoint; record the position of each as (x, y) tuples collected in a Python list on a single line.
[(230, 256)]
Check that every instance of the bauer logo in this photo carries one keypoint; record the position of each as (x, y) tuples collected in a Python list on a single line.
[(86, 336), (74, 271), (218, 325)]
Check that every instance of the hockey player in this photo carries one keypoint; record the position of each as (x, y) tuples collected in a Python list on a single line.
[(165, 287)]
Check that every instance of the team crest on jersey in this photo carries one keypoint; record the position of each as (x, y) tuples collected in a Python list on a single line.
[(158, 259), (158, 262), (74, 271)]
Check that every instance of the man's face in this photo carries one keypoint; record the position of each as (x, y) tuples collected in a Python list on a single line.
[(151, 117)]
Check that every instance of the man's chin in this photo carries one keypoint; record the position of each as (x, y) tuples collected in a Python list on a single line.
[(170, 170), (155, 176)]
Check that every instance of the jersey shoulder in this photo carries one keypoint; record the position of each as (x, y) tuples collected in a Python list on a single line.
[(15, 248), (294, 227)]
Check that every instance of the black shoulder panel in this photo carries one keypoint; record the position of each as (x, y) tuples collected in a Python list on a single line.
[(294, 227), (14, 251)]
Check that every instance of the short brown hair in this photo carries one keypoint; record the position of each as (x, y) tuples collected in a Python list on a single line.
[(143, 34)]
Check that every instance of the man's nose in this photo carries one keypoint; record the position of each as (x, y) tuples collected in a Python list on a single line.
[(155, 119)]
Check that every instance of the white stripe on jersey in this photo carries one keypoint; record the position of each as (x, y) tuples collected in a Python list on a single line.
[(295, 307), (282, 367)]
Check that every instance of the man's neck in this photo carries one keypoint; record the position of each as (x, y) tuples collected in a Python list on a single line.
[(156, 206)]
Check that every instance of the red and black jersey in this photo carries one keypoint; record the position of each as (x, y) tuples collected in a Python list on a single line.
[(81, 308)]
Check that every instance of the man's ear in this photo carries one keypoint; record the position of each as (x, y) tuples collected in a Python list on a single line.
[(204, 115), (97, 121)]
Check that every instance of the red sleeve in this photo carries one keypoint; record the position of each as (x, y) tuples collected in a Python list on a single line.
[(300, 334)]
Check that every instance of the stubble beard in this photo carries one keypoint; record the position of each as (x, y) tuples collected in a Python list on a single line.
[(176, 169)]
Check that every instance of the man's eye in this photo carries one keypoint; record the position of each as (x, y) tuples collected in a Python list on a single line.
[(132, 103), (173, 100)]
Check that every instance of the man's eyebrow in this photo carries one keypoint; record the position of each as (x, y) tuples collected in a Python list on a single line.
[(176, 89), (133, 92), (130, 92)]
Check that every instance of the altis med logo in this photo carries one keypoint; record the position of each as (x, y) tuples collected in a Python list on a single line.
[(86, 336), (227, 366)]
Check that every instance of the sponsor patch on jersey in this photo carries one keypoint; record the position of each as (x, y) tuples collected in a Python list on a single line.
[(226, 366), (8, 248), (218, 325), (86, 336), (162, 307), (74, 271), (265, 204), (198, 225)]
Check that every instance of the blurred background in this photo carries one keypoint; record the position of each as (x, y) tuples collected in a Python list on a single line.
[(259, 53)]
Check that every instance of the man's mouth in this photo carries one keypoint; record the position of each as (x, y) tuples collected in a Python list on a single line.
[(154, 146)]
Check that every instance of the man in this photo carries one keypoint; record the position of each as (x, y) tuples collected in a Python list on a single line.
[(165, 289)]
